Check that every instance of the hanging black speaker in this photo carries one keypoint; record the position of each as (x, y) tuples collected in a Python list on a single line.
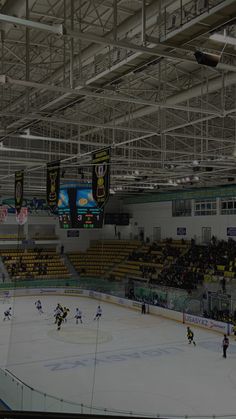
[(210, 60)]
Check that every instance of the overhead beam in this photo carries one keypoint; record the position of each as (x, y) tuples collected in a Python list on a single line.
[(64, 31), (113, 97), (55, 29)]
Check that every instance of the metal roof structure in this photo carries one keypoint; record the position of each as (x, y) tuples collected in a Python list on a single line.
[(80, 75)]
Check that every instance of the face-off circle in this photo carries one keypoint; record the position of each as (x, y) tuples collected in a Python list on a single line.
[(80, 335)]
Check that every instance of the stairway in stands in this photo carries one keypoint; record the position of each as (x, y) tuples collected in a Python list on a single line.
[(102, 256), (70, 267)]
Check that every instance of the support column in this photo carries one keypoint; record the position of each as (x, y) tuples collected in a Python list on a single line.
[(144, 22), (72, 45)]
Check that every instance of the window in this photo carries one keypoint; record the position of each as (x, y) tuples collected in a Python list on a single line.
[(205, 207), (182, 208), (228, 206)]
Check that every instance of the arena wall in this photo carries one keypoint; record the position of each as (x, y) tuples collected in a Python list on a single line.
[(159, 214)]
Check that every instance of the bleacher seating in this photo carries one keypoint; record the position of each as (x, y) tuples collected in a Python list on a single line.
[(149, 260), (11, 237), (44, 237), (119, 259), (101, 256), (38, 264), (202, 263)]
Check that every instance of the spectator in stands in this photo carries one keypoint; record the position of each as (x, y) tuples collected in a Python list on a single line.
[(223, 284), (62, 250), (141, 235)]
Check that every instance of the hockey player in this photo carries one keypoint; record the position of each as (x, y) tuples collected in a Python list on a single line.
[(65, 314), (143, 308), (60, 320), (39, 306), (59, 307), (234, 330), (98, 313), (190, 336), (58, 312), (78, 315), (7, 314), (6, 296)]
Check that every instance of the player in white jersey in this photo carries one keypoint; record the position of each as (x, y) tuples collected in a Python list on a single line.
[(58, 312), (78, 315), (39, 306), (6, 296), (7, 314), (98, 313), (59, 308)]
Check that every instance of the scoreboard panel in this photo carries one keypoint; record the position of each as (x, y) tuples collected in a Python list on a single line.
[(89, 218), (65, 221), (77, 209), (64, 212), (117, 219), (88, 214)]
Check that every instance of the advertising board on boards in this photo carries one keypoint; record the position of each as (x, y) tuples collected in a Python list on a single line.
[(208, 323), (73, 292)]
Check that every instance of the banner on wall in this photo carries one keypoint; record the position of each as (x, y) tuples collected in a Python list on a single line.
[(72, 233), (22, 216), (3, 214), (231, 231), (19, 190), (101, 176), (53, 184), (181, 231)]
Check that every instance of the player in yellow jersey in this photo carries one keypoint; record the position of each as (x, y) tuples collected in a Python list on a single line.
[(190, 336)]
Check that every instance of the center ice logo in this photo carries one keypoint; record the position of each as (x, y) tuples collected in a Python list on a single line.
[(114, 358)]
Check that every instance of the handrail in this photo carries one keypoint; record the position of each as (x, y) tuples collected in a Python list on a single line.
[(79, 407)]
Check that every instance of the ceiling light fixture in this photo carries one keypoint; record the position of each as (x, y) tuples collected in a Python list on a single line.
[(224, 39)]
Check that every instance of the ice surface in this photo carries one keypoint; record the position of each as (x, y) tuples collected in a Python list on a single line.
[(144, 363)]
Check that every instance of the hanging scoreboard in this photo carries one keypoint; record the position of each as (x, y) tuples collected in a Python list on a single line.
[(88, 214), (64, 212), (77, 209)]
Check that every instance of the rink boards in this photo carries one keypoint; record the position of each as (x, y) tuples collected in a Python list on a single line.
[(210, 324)]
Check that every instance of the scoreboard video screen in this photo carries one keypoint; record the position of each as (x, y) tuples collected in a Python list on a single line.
[(88, 215), (77, 209), (64, 212)]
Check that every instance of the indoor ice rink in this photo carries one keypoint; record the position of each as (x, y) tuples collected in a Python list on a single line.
[(144, 363), (118, 188)]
